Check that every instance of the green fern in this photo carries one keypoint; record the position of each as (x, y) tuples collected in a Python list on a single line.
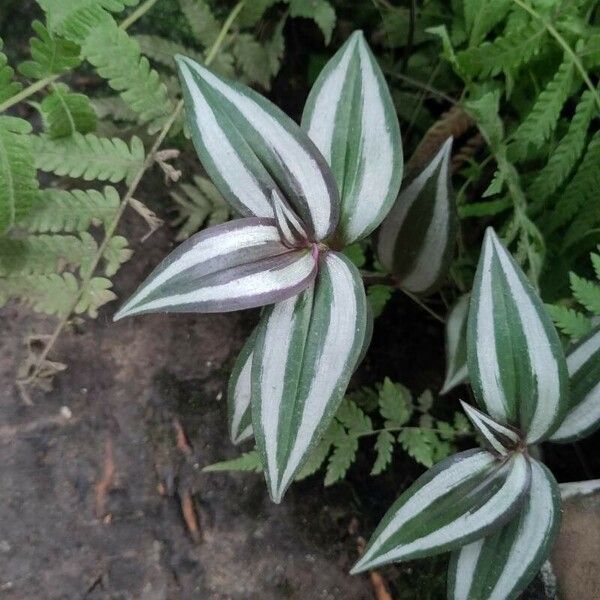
[(504, 53), (50, 55), (586, 292), (320, 11), (203, 24), (163, 51), (8, 86), (18, 179), (569, 321), (581, 189), (89, 157), (541, 121), (57, 210), (563, 159), (482, 17), (198, 205), (66, 113), (113, 107), (46, 254), (117, 58)]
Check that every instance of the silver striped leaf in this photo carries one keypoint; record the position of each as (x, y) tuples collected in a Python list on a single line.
[(516, 363), (251, 149), (237, 265), (350, 116), (500, 567), (306, 350), (456, 345), (417, 238), (583, 363), (497, 437), (238, 394), (462, 498)]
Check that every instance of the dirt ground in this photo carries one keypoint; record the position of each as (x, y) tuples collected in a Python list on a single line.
[(91, 507)]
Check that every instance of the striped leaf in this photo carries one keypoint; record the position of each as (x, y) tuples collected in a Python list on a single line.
[(456, 345), (351, 118), (251, 149), (236, 265), (497, 437), (238, 394), (416, 240), (461, 499), (500, 567), (306, 350), (516, 363), (583, 363)]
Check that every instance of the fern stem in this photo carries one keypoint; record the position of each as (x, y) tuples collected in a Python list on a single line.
[(111, 228), (137, 13), (424, 306), (42, 83), (564, 45), (224, 30), (28, 91)]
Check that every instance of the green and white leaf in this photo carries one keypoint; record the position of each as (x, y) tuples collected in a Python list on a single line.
[(583, 362), (251, 149), (459, 500), (233, 266), (416, 240), (239, 392), (456, 345), (305, 353), (500, 567), (496, 437), (516, 363), (351, 118)]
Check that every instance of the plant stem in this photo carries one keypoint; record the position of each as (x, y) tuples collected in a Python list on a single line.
[(564, 45), (42, 83), (140, 11), (423, 305), (224, 30), (420, 85), (110, 230)]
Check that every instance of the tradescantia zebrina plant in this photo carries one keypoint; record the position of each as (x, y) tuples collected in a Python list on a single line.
[(496, 509), (303, 193)]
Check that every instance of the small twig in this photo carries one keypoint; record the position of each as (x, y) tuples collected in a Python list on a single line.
[(378, 584), (106, 481), (424, 306), (189, 514), (410, 37), (181, 440), (421, 85), (137, 13)]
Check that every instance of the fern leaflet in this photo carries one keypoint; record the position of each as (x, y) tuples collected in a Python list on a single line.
[(586, 292), (565, 156), (202, 22), (65, 113), (89, 157), (569, 321), (18, 178), (8, 87)]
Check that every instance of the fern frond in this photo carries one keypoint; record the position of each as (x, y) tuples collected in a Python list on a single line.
[(18, 178), (482, 17), (162, 50), (571, 322), (504, 53), (89, 157), (203, 23), (586, 292), (70, 211), (8, 87), (75, 19), (581, 189), (252, 59), (117, 252), (198, 205), (46, 254), (114, 107), (117, 59), (565, 156), (585, 223), (253, 12), (49, 294), (541, 121), (97, 293), (320, 11), (66, 113), (50, 54)]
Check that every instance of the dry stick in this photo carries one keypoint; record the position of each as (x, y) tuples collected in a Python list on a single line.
[(148, 162)]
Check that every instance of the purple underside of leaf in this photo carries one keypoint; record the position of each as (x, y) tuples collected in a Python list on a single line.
[(237, 265)]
